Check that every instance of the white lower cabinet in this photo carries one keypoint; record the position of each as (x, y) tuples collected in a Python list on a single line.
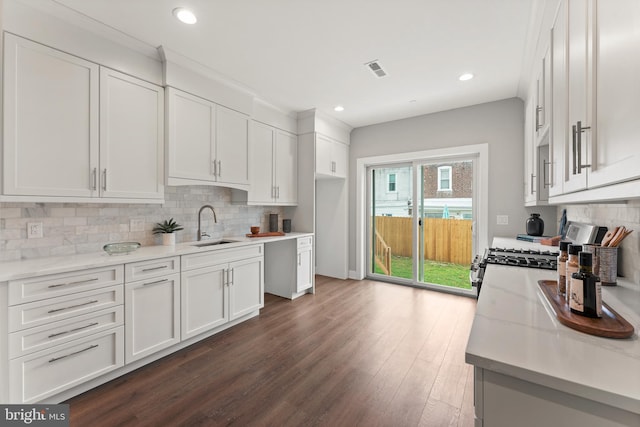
[(290, 273), (220, 286), (152, 316), (45, 373)]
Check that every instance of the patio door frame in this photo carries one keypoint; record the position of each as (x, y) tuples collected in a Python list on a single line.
[(481, 177)]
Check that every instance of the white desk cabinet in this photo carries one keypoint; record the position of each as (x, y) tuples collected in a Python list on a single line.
[(291, 271)]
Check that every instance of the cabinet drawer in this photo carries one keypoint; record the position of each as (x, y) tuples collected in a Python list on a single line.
[(45, 373), (304, 242), (46, 336), (44, 312), (205, 259), (152, 268), (54, 285)]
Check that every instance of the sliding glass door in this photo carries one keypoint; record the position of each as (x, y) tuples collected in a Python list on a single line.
[(420, 220)]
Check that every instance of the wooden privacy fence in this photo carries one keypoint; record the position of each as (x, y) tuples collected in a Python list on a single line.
[(445, 239)]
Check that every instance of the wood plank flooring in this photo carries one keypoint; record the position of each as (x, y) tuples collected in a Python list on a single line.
[(358, 353)]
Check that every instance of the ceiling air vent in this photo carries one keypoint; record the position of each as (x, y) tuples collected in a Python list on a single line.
[(376, 69)]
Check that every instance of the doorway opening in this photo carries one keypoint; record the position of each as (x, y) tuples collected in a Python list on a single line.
[(420, 220)]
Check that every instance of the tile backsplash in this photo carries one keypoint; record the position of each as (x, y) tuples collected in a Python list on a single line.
[(612, 215), (75, 228)]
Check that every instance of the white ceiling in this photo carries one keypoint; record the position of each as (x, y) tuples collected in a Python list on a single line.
[(302, 54)]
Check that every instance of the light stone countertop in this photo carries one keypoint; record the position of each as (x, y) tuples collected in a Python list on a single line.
[(13, 270), (515, 332)]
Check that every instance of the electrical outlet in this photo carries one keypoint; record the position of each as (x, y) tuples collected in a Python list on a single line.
[(34, 230), (136, 224), (502, 220)]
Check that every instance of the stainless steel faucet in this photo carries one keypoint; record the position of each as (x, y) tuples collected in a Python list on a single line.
[(200, 233)]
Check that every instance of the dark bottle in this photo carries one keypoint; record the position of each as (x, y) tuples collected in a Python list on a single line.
[(572, 266), (535, 225), (586, 296)]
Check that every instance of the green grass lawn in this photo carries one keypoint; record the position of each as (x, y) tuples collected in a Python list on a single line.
[(442, 273)]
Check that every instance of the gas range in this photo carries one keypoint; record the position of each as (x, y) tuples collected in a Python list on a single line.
[(529, 258)]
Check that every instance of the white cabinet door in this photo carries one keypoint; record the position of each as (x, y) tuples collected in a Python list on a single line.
[(543, 94), (529, 157), (246, 287), (324, 156), (559, 141), (286, 168), (232, 147), (262, 187), (304, 271), (340, 159), (152, 316), (617, 153), (50, 121), (191, 133), (203, 300), (331, 158), (579, 87), (131, 137)]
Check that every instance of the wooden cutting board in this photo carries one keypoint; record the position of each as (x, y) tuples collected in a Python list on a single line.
[(610, 325), (269, 234)]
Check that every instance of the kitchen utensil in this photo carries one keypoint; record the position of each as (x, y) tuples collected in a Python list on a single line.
[(608, 236)]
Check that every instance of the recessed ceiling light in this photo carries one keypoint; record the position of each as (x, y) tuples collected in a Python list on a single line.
[(338, 108), (185, 15), (465, 77)]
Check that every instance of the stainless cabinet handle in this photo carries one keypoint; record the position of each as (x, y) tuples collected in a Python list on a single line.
[(531, 180), (155, 268), (219, 168), (74, 353), (579, 130), (79, 282), (94, 179), (55, 310), (573, 152), (73, 330), (299, 260), (225, 277), (544, 173), (231, 277), (156, 282), (213, 168), (104, 179), (277, 192), (538, 110)]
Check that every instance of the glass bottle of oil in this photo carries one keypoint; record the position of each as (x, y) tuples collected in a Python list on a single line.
[(586, 294)]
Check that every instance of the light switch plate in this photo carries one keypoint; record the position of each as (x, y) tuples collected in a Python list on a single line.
[(34, 230), (502, 220)]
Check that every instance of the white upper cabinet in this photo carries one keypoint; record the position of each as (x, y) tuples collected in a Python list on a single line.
[(616, 156), (232, 147), (51, 119), (78, 131), (596, 95), (131, 137), (274, 166), (191, 134), (331, 158), (207, 143), (543, 95)]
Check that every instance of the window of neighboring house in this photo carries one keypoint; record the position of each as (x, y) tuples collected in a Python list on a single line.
[(444, 178), (391, 183)]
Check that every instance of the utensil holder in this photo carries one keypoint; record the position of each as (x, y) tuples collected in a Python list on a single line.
[(607, 261)]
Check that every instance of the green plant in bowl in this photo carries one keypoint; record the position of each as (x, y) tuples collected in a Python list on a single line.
[(167, 227)]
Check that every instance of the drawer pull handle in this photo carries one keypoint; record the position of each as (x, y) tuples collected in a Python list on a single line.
[(73, 330), (73, 306), (154, 268), (74, 353), (79, 282), (156, 282)]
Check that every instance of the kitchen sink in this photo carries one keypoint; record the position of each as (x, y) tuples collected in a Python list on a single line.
[(213, 243)]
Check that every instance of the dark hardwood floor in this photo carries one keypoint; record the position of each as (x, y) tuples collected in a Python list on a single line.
[(357, 353)]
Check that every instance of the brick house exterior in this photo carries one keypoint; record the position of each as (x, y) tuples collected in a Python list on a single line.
[(461, 181)]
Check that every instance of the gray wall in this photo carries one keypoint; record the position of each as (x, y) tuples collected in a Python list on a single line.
[(499, 123)]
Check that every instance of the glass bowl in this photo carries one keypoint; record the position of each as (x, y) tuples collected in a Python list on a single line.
[(122, 248)]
